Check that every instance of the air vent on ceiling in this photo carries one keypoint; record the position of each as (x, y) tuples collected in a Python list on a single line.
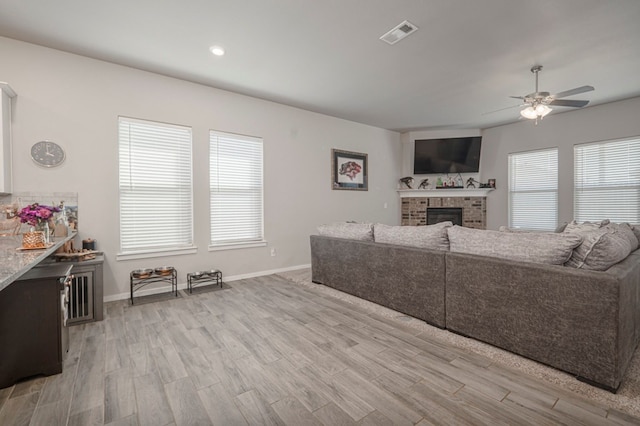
[(399, 32)]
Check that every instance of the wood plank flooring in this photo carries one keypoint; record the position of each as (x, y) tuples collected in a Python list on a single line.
[(271, 352)]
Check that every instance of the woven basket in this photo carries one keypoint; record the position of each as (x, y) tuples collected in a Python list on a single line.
[(31, 240)]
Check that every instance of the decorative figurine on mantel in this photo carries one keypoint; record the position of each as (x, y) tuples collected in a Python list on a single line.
[(407, 181), (471, 182), (424, 184)]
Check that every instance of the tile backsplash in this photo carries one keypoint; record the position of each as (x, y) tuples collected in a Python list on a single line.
[(22, 199)]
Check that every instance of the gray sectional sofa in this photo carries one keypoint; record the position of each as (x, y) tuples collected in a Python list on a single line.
[(585, 322), (406, 279)]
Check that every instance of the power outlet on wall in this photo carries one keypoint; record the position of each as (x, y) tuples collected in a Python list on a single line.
[(273, 252)]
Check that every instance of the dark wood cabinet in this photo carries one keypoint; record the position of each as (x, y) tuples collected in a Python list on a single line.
[(31, 325)]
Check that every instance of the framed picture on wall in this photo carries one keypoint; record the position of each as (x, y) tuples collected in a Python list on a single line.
[(349, 170)]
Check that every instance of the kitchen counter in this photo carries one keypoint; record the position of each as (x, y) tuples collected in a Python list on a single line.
[(15, 262)]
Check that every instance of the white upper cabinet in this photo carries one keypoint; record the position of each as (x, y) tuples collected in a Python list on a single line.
[(5, 138)]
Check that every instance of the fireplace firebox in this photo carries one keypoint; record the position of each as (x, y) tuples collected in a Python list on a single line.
[(443, 214)]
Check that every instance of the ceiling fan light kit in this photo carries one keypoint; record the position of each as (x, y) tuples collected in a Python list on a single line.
[(539, 111)]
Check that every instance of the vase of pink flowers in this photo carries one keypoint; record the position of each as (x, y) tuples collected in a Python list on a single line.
[(38, 217)]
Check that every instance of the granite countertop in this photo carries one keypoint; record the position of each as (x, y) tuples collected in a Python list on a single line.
[(15, 262)]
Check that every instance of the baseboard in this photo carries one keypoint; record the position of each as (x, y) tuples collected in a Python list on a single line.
[(183, 285)]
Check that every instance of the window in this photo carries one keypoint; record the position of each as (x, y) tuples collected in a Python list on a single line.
[(607, 181), (235, 184), (533, 190), (155, 187)]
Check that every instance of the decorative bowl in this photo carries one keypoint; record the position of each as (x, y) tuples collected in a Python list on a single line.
[(164, 270), (142, 273)]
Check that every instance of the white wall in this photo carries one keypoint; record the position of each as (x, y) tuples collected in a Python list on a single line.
[(76, 101), (603, 122)]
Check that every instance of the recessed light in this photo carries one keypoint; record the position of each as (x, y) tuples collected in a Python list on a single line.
[(217, 50)]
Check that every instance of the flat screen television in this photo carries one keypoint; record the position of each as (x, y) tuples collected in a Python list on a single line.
[(447, 155)]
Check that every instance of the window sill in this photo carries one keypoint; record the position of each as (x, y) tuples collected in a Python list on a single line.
[(235, 246), (156, 253)]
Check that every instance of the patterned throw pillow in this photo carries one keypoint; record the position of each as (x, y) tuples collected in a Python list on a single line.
[(541, 247), (430, 236), (352, 231)]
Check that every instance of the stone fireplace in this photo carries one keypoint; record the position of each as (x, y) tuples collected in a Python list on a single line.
[(418, 206)]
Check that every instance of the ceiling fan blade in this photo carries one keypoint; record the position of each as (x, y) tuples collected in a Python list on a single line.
[(568, 103), (502, 109), (517, 97), (572, 92)]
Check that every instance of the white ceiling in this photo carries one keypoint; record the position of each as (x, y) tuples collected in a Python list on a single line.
[(465, 60)]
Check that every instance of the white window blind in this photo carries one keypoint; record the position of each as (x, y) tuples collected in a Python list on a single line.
[(533, 190), (607, 181), (236, 200), (155, 186)]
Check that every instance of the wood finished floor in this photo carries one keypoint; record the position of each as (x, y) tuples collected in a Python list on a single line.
[(268, 351)]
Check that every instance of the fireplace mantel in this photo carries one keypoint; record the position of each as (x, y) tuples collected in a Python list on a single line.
[(461, 192)]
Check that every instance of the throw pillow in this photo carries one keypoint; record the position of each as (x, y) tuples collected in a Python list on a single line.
[(574, 226), (352, 231), (561, 227), (430, 236), (601, 249), (636, 232), (626, 231), (541, 247)]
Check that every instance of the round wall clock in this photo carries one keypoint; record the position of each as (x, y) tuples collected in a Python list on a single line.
[(47, 153)]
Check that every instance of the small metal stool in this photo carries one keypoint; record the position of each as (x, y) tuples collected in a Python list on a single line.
[(213, 276)]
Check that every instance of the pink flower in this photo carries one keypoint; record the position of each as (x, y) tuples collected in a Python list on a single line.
[(36, 214)]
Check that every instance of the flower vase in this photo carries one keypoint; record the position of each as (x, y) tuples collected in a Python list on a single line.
[(47, 232)]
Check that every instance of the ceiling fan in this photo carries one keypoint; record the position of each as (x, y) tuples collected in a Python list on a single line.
[(538, 103)]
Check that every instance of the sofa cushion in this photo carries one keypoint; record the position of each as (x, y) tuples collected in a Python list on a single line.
[(601, 248), (349, 230), (540, 247), (430, 236), (504, 228)]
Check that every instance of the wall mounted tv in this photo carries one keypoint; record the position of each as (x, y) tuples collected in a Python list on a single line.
[(447, 155)]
